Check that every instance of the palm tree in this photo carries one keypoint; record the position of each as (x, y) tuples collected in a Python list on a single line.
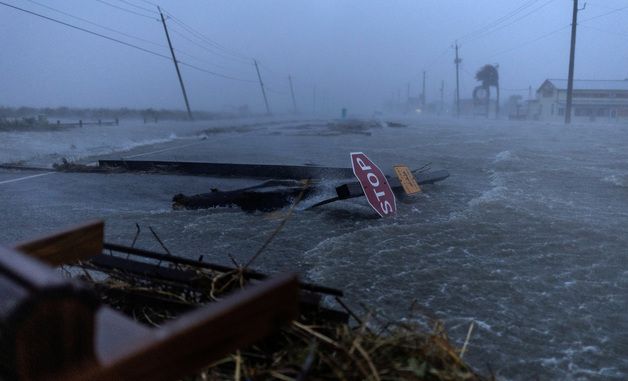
[(489, 76)]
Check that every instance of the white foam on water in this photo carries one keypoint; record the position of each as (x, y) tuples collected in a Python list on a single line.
[(504, 156), (90, 140), (489, 196), (617, 180), (75, 144)]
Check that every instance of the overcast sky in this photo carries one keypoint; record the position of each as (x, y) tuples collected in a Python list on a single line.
[(356, 53)]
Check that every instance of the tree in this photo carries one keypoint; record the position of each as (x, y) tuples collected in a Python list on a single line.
[(489, 76)]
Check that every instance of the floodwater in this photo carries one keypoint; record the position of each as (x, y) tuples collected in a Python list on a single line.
[(527, 238)]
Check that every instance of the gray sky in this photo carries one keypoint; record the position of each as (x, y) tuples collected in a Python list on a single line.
[(357, 53)]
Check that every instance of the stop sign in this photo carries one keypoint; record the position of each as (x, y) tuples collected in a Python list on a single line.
[(374, 184)]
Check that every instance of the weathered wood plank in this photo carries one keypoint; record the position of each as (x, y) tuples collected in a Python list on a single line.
[(248, 274), (77, 243), (193, 341), (46, 320)]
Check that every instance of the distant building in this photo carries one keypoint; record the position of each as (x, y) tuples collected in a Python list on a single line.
[(593, 100)]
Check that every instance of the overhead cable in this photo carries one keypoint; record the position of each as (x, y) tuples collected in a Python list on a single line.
[(124, 43), (127, 10)]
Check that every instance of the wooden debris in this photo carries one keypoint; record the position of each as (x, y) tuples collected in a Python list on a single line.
[(70, 245)]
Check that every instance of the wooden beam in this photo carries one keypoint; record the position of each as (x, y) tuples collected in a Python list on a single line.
[(77, 243), (193, 341), (53, 328), (265, 171), (46, 319)]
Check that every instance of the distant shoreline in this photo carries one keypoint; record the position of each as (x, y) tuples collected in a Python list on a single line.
[(11, 114)]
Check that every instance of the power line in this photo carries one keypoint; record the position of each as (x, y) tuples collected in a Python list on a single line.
[(604, 14), (531, 41), (217, 74), (202, 42), (555, 31), (123, 43), (498, 28), (127, 10), (210, 45), (149, 3), (138, 6), (499, 20), (86, 30), (98, 25), (209, 41), (205, 48), (129, 35)]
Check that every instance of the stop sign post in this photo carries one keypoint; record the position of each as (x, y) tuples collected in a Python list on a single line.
[(374, 184)]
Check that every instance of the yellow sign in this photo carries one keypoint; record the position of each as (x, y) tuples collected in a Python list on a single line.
[(407, 180)]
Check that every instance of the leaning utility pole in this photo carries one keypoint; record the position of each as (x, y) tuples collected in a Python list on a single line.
[(176, 65), (294, 102), (261, 84), (572, 53), (424, 97), (457, 61)]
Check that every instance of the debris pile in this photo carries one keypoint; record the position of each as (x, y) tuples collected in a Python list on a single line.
[(320, 345)]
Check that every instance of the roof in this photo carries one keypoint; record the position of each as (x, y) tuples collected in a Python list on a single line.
[(590, 84)]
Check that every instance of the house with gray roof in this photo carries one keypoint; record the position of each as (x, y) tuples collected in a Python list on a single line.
[(593, 101)]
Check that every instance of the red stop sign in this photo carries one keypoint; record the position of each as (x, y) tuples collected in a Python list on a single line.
[(374, 184)]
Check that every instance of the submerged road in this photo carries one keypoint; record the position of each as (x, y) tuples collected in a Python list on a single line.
[(526, 239)]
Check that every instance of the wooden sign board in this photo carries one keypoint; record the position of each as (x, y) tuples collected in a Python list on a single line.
[(407, 180)]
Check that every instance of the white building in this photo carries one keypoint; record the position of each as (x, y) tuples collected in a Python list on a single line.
[(593, 100)]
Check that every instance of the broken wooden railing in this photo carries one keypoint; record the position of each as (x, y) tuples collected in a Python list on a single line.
[(52, 327), (193, 278)]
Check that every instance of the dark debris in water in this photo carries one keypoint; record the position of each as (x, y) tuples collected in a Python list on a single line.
[(312, 347)]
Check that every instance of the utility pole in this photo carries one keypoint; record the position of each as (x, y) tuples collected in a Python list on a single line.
[(176, 65), (294, 102), (261, 84), (442, 96), (424, 96), (530, 92), (572, 53), (457, 61)]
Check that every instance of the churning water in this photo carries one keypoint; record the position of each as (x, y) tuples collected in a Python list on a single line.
[(527, 238)]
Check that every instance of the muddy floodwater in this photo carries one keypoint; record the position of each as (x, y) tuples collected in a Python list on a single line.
[(527, 238)]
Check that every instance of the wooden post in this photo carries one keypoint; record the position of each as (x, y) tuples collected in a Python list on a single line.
[(294, 102), (262, 86), (457, 61), (77, 243), (176, 66), (572, 53), (56, 329)]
